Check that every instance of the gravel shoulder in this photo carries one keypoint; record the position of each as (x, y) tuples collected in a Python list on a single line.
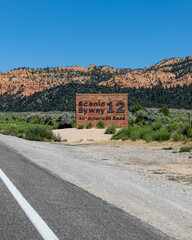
[(158, 157), (133, 176)]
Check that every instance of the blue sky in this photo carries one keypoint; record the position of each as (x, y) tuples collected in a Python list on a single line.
[(119, 33)]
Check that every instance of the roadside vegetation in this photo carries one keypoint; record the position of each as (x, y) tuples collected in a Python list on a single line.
[(147, 124), (155, 125), (111, 129), (35, 126), (80, 126)]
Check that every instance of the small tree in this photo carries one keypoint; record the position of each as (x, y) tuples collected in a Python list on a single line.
[(165, 111), (136, 108)]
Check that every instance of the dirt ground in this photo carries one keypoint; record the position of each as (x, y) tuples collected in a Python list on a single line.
[(82, 136)]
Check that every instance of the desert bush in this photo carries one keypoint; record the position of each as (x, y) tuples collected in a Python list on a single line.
[(147, 117), (131, 115), (10, 130), (28, 118), (111, 129), (14, 117), (34, 118), (161, 135), (64, 125), (141, 132), (135, 133), (165, 111), (141, 116), (73, 122), (50, 123), (157, 125), (153, 115), (136, 108), (180, 118), (39, 133), (164, 120), (131, 122), (100, 124), (64, 117), (80, 126), (148, 137), (173, 126), (145, 130), (179, 137), (89, 125), (131, 119), (186, 129), (185, 149), (123, 134), (46, 120)]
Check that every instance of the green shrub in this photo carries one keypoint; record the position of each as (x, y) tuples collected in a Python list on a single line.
[(123, 134), (14, 117), (100, 124), (173, 126), (161, 135), (111, 129), (89, 125), (80, 126), (141, 132), (145, 130), (179, 137), (65, 117), (64, 125), (185, 149), (148, 137), (46, 120), (157, 125), (136, 108), (165, 111), (131, 121), (147, 117), (167, 148), (140, 117), (10, 130), (135, 134), (40, 134), (73, 122), (164, 120), (186, 130)]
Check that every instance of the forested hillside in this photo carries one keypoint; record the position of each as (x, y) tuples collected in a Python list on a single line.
[(62, 98)]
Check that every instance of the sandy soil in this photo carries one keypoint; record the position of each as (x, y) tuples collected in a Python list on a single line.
[(82, 136)]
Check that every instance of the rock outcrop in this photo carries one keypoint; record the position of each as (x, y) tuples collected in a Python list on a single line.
[(25, 81)]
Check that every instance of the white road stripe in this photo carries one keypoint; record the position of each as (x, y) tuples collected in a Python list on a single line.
[(34, 217)]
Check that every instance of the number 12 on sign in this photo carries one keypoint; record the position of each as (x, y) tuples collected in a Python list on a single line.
[(119, 110)]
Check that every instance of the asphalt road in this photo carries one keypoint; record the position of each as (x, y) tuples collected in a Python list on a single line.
[(69, 211)]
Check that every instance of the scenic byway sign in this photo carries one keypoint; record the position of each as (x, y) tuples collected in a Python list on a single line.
[(111, 108)]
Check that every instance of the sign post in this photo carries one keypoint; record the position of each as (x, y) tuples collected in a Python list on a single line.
[(111, 108)]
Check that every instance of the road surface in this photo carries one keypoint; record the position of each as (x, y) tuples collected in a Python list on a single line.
[(69, 211)]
